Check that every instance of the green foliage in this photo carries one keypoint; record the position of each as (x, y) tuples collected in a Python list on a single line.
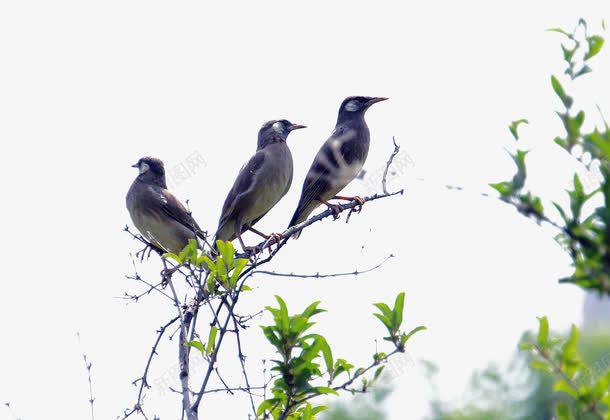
[(205, 349), (574, 44), (585, 234), (306, 367), (514, 126), (225, 269), (589, 394), (525, 389)]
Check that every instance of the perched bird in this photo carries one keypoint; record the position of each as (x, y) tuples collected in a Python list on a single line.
[(339, 160), (156, 212), (260, 184)]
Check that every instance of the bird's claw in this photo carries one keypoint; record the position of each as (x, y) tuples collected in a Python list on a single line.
[(251, 251), (358, 208), (141, 253)]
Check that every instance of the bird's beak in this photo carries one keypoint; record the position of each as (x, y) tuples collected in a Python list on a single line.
[(135, 165), (376, 99), (297, 126)]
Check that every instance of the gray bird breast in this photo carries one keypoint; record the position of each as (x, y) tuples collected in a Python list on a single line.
[(273, 182), (144, 203)]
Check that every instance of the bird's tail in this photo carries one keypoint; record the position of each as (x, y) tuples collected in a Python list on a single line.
[(300, 215)]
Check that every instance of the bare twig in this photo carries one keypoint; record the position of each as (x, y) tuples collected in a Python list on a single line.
[(183, 355), (387, 166), (301, 226), (242, 361), (320, 276), (88, 368), (137, 408)]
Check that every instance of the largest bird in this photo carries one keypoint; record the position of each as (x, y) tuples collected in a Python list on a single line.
[(339, 160), (260, 184)]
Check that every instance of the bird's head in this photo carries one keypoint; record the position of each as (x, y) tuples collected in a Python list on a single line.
[(353, 106), (275, 131), (151, 169)]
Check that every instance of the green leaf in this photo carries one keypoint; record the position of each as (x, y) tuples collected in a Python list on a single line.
[(543, 332), (268, 405), (399, 306), (211, 340), (208, 262), (284, 319), (562, 386), (504, 188), (273, 339), (562, 410), (540, 365), (197, 344), (526, 346), (569, 348), (559, 30), (211, 282), (567, 100), (312, 310), (385, 321), (169, 255), (513, 127), (325, 390), (584, 70), (240, 263), (405, 337), (385, 309), (378, 372), (327, 353), (595, 43)]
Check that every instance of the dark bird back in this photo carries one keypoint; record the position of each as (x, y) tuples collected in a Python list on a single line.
[(339, 160)]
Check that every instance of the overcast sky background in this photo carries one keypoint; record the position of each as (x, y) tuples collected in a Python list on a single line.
[(86, 89)]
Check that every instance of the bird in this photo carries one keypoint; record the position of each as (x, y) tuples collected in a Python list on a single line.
[(338, 161), (159, 216), (260, 184)]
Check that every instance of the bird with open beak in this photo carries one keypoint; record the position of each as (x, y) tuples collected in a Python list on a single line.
[(338, 161), (260, 184), (157, 213)]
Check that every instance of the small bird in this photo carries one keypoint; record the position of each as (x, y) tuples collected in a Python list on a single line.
[(338, 161), (156, 212), (260, 184)]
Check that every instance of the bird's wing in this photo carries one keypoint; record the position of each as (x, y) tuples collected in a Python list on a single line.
[(242, 186), (318, 180), (176, 210)]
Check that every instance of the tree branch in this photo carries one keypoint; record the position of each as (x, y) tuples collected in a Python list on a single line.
[(321, 276)]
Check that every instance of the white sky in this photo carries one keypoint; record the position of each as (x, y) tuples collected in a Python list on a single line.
[(88, 88)]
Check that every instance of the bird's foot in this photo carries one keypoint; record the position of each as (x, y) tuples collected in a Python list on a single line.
[(360, 200), (274, 238), (143, 252), (336, 209), (252, 251)]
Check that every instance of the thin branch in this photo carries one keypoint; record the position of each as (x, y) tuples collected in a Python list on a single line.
[(242, 361), (321, 276), (137, 408), (183, 355), (388, 164), (88, 368), (301, 226)]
